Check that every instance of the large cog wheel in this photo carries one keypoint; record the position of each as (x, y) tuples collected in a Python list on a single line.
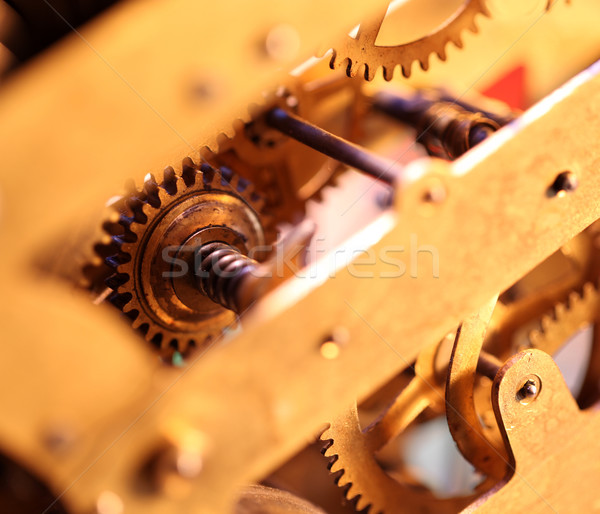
[(163, 224), (352, 449), (362, 50)]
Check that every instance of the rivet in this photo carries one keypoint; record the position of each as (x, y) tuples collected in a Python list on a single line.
[(565, 182)]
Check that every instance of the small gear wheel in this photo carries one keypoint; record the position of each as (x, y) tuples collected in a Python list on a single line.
[(162, 226)]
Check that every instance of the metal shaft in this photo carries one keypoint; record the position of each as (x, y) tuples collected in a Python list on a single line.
[(333, 146)]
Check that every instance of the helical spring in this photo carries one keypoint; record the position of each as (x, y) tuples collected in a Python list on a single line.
[(220, 271)]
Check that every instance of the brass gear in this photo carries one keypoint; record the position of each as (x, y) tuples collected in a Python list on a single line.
[(352, 449), (566, 318), (355, 52), (581, 309), (362, 50), (161, 226)]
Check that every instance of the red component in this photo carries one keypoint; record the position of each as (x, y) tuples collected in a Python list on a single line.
[(510, 89)]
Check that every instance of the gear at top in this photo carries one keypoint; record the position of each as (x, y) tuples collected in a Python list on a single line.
[(163, 225), (362, 50)]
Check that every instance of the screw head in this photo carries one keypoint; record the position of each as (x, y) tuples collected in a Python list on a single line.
[(529, 390), (565, 182)]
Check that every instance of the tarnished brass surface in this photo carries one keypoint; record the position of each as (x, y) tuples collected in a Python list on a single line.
[(95, 416)]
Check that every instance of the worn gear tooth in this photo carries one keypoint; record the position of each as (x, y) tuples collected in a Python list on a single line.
[(136, 322), (352, 68), (170, 180), (227, 175), (126, 237), (573, 299), (362, 504), (341, 477), (224, 137), (136, 205), (424, 63), (111, 228), (388, 72), (560, 310), (119, 300), (335, 466), (163, 196), (151, 189), (406, 70), (546, 322), (188, 172), (243, 185), (117, 280), (458, 42), (588, 290), (209, 176), (115, 261), (441, 53), (329, 451), (370, 72), (352, 494)]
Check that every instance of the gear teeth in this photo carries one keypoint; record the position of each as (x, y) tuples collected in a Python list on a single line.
[(188, 172), (170, 181), (163, 195), (369, 72), (226, 176), (151, 190), (579, 309), (352, 55), (131, 217), (119, 300), (573, 299), (114, 261), (388, 72), (361, 504), (458, 42), (546, 322), (136, 205), (588, 290), (117, 280), (208, 175), (136, 322), (561, 309)]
